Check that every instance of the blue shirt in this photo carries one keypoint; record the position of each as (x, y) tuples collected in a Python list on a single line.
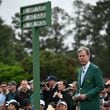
[(2, 99)]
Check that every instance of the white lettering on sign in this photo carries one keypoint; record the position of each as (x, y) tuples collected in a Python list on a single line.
[(34, 9), (34, 24), (34, 16)]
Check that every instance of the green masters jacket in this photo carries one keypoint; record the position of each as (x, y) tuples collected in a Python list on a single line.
[(92, 85)]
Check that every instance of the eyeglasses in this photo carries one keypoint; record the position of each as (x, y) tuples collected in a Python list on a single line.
[(3, 86)]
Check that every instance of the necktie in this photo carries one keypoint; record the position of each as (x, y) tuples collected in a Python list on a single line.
[(82, 76)]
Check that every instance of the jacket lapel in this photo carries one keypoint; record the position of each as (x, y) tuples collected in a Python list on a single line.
[(79, 78), (86, 75)]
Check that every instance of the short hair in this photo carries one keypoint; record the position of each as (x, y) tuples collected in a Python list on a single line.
[(15, 104), (64, 82), (85, 49), (75, 82), (3, 83)]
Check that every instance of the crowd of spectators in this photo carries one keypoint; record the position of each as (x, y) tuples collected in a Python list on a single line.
[(55, 95), (13, 97)]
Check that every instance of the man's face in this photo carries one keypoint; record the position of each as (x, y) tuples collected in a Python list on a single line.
[(51, 83), (83, 57), (74, 87), (11, 107), (41, 107), (24, 85), (108, 89), (4, 87), (61, 107), (60, 86)]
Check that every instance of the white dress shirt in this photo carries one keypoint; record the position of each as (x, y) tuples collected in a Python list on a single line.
[(84, 70)]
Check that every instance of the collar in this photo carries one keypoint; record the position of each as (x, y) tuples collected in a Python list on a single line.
[(86, 66), (24, 90)]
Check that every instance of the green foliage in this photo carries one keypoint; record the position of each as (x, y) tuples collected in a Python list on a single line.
[(8, 73), (57, 64), (6, 43), (58, 32), (26, 64), (52, 64)]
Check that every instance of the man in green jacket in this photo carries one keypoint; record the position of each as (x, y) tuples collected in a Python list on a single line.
[(90, 82)]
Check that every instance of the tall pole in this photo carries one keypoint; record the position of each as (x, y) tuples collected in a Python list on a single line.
[(36, 68), (33, 17)]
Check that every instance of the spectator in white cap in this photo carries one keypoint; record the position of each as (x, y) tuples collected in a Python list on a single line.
[(13, 105), (61, 105), (42, 105), (12, 100)]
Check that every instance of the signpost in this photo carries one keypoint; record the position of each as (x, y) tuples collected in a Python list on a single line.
[(33, 17), (36, 15)]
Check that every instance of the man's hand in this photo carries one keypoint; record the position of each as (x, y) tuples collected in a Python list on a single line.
[(82, 96)]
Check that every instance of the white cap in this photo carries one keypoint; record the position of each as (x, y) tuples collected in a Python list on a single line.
[(12, 100), (71, 85), (42, 102), (61, 102)]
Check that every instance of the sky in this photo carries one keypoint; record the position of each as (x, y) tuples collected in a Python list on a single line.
[(9, 7)]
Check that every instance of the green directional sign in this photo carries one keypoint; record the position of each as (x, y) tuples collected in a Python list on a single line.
[(36, 15), (33, 17)]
